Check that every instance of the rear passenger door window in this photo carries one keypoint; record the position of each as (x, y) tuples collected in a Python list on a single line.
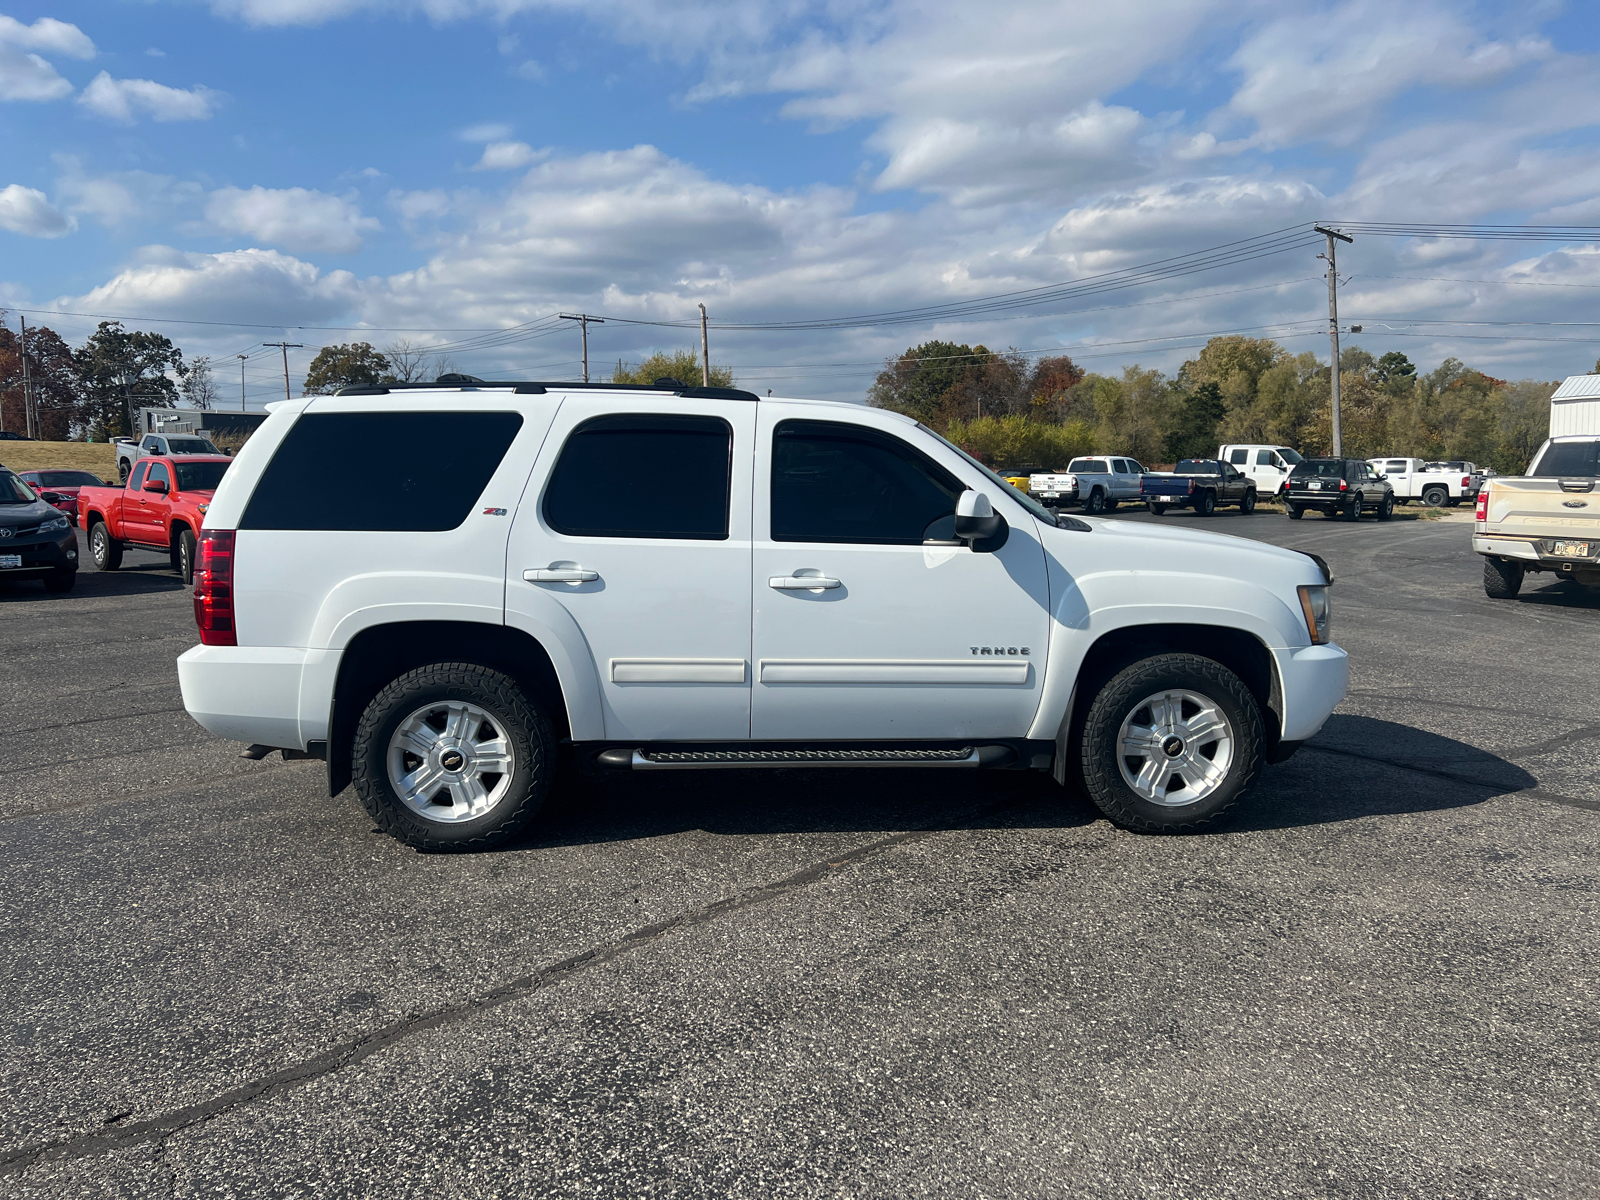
[(583, 497)]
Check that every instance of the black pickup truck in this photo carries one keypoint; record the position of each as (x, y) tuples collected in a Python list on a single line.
[(1200, 484)]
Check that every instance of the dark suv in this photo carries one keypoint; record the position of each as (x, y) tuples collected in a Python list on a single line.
[(1338, 487)]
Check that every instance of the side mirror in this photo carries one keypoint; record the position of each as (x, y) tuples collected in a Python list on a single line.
[(50, 497), (977, 524), (156, 485)]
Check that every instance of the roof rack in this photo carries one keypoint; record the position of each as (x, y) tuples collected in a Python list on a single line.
[(523, 387)]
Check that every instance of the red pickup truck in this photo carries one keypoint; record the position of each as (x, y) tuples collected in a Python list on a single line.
[(160, 508)]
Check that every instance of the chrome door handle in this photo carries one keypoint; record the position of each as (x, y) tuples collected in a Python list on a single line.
[(802, 583), (560, 575)]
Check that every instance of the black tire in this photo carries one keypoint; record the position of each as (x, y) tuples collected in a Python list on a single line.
[(183, 557), (519, 722), (61, 580), (1295, 511), (1248, 504), (1096, 503), (103, 548), (1501, 580), (123, 470), (1435, 497), (1386, 508), (1158, 509), (1122, 697), (1205, 504), (1111, 505), (1352, 510)]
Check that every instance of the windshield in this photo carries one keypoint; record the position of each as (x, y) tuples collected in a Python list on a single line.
[(191, 445), (1292, 456), (14, 491), (1027, 501), (1197, 466), (200, 477), (1088, 466), (1567, 458), (1320, 468), (58, 479)]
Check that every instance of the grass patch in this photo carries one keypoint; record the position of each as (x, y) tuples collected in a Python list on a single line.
[(81, 456)]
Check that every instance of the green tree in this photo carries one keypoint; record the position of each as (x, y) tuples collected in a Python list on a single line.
[(1194, 431), (1012, 441), (918, 382), (121, 370), (1395, 373), (356, 364), (682, 365), (1135, 414)]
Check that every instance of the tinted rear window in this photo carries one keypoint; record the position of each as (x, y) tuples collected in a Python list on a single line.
[(412, 471), (1088, 466), (680, 466), (1320, 468), (1567, 458)]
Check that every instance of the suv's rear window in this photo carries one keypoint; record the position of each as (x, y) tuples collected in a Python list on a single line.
[(1567, 458), (1319, 468), (390, 471), (636, 475)]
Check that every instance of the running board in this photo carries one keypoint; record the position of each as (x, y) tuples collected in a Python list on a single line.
[(679, 760)]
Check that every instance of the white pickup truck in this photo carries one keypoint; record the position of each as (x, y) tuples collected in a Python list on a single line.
[(1545, 521), (1099, 482), (812, 585), (1434, 484)]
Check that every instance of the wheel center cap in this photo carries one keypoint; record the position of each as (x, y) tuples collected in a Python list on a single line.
[(1173, 746), (452, 760)]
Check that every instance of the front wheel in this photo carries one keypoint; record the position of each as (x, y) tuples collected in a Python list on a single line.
[(1248, 504), (1501, 580), (453, 756), (1096, 503), (103, 548), (1295, 511), (1171, 743)]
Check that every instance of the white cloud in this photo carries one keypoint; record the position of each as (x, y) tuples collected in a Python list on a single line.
[(492, 131), (125, 100), (508, 156), (27, 210), (532, 70), (124, 198), (47, 34), (24, 75), (297, 218)]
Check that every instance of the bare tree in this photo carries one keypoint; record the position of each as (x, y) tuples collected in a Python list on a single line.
[(408, 362), (199, 387)]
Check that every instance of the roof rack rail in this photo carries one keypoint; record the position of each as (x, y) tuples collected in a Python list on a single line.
[(524, 387)]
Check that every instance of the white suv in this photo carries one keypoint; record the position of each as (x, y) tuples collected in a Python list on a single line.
[(785, 583)]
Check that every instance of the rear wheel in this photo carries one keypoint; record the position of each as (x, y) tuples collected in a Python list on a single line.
[(1096, 503), (103, 548), (1352, 510), (1171, 743), (122, 470), (453, 756), (1248, 504), (1435, 497), (1386, 509), (1501, 580), (1295, 511), (1158, 509), (1205, 503)]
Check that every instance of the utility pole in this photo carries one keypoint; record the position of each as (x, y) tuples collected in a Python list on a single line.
[(1333, 327), (285, 347), (241, 358), (28, 419), (583, 319), (705, 351)]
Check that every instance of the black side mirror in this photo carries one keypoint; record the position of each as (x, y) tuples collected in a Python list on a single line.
[(50, 497)]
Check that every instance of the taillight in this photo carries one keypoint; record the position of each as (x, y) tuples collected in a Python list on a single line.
[(213, 588), (1482, 513), (1343, 486)]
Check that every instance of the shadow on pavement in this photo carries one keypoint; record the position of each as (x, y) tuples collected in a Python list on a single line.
[(1557, 593), (135, 582)]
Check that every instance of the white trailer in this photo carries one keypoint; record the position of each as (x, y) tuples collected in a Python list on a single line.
[(1575, 406)]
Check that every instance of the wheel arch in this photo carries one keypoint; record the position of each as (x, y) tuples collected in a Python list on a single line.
[(380, 653)]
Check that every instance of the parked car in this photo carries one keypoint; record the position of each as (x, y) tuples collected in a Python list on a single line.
[(1338, 487), (1431, 483), (1268, 466), (813, 584), (1104, 481), (65, 484), (1201, 484), (36, 541), (1546, 521), (160, 508), (129, 451)]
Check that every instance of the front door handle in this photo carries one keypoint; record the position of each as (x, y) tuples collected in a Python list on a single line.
[(802, 583), (560, 575)]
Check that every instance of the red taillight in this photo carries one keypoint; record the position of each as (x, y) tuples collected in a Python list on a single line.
[(1483, 506), (1466, 481), (1343, 486), (213, 588)]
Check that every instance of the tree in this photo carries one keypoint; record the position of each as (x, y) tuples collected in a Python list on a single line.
[(53, 379), (199, 387), (122, 370), (918, 382), (408, 362), (354, 365), (1015, 441), (1395, 373), (682, 365), (1135, 413), (1194, 432)]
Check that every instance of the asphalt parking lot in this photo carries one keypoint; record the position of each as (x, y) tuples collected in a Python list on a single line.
[(1378, 980)]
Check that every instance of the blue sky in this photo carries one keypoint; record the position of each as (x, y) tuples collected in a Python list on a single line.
[(330, 170)]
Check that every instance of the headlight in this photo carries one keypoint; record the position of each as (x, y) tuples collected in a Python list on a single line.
[(1318, 610), (52, 526)]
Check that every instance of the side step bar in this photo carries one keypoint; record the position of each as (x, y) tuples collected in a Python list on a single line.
[(678, 760)]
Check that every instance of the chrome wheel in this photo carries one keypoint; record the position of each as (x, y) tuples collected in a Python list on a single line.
[(450, 761), (1175, 747)]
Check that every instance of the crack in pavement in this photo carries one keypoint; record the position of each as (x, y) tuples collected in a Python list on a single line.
[(352, 1051)]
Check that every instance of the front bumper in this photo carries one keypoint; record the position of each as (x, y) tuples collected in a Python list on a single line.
[(1314, 680), (56, 551)]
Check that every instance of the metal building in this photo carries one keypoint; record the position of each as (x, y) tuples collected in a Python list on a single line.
[(1575, 406)]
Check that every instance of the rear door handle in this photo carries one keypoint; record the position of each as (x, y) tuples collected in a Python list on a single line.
[(802, 583), (560, 575)]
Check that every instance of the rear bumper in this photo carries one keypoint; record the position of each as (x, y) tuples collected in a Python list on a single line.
[(1532, 550), (1314, 679), (255, 693)]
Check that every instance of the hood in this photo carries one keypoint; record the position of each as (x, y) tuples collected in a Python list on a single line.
[(1150, 539), (14, 515)]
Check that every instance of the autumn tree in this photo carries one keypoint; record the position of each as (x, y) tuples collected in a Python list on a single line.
[(121, 370), (682, 365), (356, 364), (52, 377)]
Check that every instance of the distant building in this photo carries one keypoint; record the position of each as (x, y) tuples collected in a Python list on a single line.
[(1575, 406), (195, 420)]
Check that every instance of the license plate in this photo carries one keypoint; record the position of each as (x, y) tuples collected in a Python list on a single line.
[(1050, 495), (1314, 486), (10, 560), (1169, 499), (1572, 549)]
